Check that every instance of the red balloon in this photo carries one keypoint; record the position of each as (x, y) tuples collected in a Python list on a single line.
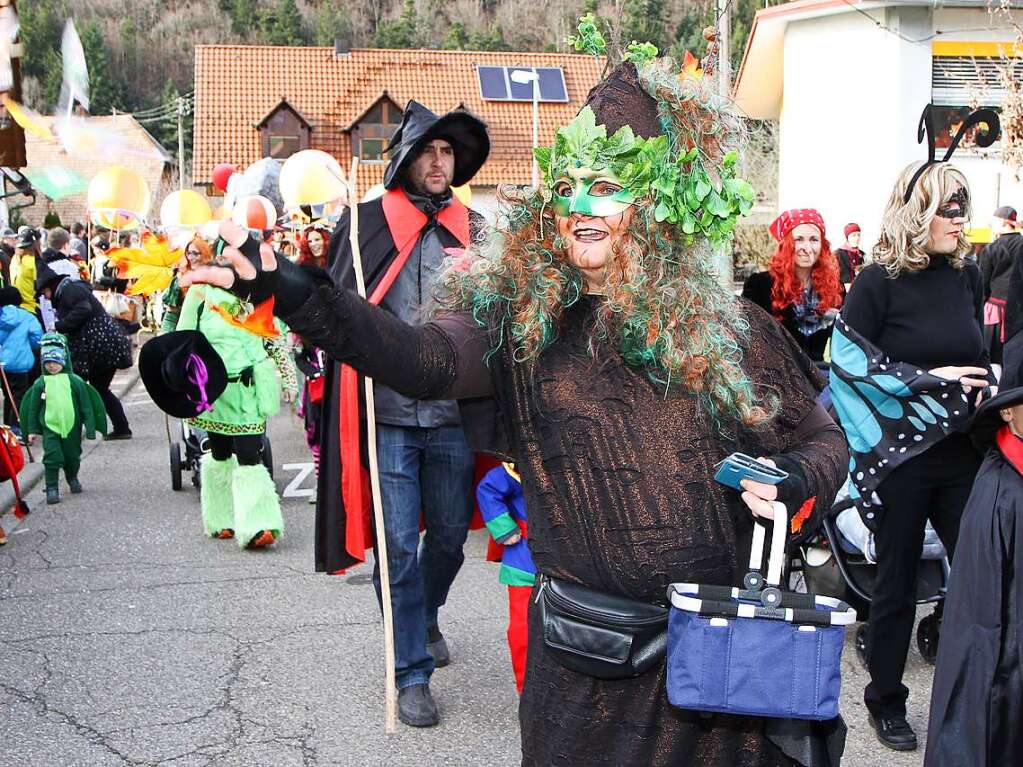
[(222, 173)]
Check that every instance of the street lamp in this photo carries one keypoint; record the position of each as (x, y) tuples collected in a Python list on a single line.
[(523, 76)]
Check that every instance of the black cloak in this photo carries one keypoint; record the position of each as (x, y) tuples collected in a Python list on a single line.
[(338, 536), (977, 698)]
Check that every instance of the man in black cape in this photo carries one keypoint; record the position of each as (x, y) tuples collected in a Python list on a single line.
[(997, 262), (425, 462), (977, 698)]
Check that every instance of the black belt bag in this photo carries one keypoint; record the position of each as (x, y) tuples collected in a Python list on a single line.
[(600, 635), (245, 377)]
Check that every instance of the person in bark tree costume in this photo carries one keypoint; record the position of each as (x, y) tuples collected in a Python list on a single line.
[(593, 344)]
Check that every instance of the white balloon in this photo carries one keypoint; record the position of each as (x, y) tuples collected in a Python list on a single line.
[(374, 192)]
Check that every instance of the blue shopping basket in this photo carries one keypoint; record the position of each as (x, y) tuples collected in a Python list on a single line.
[(756, 651)]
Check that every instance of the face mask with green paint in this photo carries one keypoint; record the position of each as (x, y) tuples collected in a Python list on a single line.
[(588, 172), (590, 192)]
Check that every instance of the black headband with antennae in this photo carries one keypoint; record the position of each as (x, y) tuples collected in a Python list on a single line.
[(985, 138)]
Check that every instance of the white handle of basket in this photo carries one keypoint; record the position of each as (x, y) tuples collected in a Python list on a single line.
[(778, 535), (777, 560)]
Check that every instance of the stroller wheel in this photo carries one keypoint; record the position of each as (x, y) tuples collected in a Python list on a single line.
[(175, 465), (927, 634), (862, 642)]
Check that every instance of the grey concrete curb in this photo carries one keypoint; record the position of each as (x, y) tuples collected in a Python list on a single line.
[(32, 474)]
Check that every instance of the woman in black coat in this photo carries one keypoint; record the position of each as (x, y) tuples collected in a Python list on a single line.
[(914, 316), (98, 346), (800, 289)]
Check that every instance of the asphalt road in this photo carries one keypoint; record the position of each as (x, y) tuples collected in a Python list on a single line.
[(128, 638)]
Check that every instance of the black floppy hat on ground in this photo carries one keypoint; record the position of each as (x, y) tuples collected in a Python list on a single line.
[(419, 126), (182, 373)]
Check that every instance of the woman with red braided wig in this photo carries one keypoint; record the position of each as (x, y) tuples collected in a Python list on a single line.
[(800, 288)]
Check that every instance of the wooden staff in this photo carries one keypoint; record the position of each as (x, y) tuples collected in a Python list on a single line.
[(390, 693)]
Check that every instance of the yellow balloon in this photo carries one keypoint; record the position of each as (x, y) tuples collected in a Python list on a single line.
[(184, 209), (463, 193), (118, 198), (311, 177)]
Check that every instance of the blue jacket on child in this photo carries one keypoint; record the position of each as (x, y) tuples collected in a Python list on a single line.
[(20, 332), (503, 509)]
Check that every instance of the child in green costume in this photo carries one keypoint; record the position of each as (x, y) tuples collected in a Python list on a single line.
[(237, 494), (59, 405)]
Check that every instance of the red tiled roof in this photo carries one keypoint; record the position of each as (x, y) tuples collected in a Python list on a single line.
[(237, 85)]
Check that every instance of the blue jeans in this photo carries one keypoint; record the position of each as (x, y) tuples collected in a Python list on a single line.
[(423, 472)]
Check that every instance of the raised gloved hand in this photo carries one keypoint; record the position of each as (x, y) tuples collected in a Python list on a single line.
[(245, 267)]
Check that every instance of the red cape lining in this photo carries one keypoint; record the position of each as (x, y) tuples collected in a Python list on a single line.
[(404, 221)]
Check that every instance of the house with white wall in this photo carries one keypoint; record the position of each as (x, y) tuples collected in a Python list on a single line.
[(847, 81)]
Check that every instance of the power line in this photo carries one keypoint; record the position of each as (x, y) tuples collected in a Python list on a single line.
[(168, 108), (158, 112)]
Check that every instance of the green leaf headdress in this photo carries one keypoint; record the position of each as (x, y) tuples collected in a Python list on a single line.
[(668, 137)]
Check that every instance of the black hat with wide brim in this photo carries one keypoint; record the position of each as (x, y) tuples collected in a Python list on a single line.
[(988, 420), (181, 370), (466, 133), (47, 278)]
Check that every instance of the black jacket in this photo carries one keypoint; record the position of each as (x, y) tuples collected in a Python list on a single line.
[(849, 263), (75, 304), (996, 262), (977, 697), (96, 341), (758, 290), (6, 254)]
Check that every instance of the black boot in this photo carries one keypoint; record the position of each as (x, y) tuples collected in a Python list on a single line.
[(437, 647), (52, 496), (894, 732), (416, 707)]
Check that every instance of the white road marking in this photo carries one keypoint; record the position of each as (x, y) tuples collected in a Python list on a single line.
[(294, 489)]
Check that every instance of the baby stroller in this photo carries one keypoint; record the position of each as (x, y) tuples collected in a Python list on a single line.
[(839, 561), (196, 443)]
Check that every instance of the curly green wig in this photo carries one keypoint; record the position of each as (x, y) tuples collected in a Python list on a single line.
[(664, 309)]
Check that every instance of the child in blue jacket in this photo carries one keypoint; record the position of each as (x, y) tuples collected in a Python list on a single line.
[(20, 332), (504, 512)]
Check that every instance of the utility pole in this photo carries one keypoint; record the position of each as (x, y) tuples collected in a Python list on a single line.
[(725, 257), (182, 111), (724, 12)]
